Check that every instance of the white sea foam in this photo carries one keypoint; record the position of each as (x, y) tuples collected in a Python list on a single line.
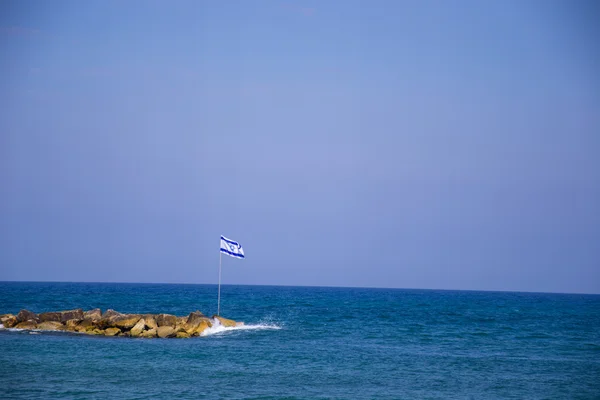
[(11, 329), (14, 329), (217, 328), (33, 331)]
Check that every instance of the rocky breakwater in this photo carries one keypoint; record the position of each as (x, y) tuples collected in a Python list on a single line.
[(114, 323)]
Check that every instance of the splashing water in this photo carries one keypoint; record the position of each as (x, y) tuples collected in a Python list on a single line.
[(218, 328)]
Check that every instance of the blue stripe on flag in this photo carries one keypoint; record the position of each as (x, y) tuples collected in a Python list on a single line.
[(230, 241), (232, 253)]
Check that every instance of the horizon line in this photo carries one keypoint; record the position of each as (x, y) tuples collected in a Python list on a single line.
[(304, 286)]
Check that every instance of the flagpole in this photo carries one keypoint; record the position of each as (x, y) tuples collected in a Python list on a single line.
[(219, 295)]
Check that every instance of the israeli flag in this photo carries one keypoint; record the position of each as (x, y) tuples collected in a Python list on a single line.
[(234, 249)]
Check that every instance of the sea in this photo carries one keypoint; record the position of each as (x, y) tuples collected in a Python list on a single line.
[(309, 343)]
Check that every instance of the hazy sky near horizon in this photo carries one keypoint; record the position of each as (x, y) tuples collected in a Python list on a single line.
[(410, 144)]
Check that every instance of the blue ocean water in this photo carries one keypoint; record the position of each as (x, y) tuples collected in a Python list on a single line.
[(310, 343)]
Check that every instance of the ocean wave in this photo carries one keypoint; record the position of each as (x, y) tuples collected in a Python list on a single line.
[(13, 329), (218, 328), (31, 331)]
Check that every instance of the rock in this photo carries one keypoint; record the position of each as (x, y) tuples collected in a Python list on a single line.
[(112, 331), (179, 328), (26, 315), (194, 320), (95, 331), (126, 321), (151, 333), (50, 316), (195, 317), (110, 313), (31, 324), (94, 315), (86, 323), (166, 320), (102, 324), (151, 322), (9, 321), (71, 324), (182, 335), (202, 326), (62, 316), (225, 322), (71, 314), (107, 319), (189, 328), (51, 326), (165, 331), (138, 328)]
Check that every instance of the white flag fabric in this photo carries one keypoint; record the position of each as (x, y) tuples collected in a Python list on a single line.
[(234, 249)]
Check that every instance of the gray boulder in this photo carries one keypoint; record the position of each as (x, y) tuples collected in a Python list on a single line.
[(94, 315), (50, 316), (31, 324), (108, 318), (194, 321), (126, 321), (166, 320), (166, 331), (71, 314), (138, 328), (112, 331), (26, 315), (151, 321), (51, 326), (9, 320), (150, 333), (110, 313)]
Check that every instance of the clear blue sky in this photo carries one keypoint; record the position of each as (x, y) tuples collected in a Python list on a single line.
[(411, 144)]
